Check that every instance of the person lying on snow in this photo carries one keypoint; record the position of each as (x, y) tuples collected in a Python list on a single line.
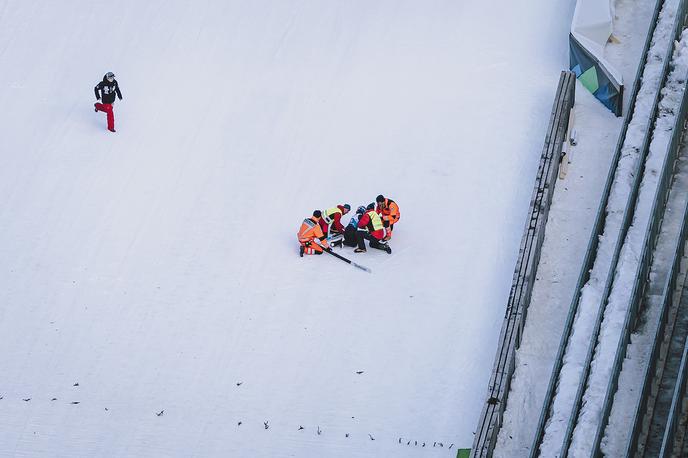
[(106, 91), (352, 228), (370, 227), (311, 236), (389, 211)]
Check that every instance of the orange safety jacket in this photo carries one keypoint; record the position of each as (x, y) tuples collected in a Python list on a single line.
[(310, 230), (389, 210)]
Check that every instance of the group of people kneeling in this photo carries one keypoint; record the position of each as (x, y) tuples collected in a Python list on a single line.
[(374, 223)]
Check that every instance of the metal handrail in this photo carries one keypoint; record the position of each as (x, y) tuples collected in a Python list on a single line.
[(593, 243), (676, 404)]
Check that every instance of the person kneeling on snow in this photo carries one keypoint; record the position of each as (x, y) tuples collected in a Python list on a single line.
[(331, 221), (370, 227), (106, 91), (389, 211), (311, 236), (352, 228)]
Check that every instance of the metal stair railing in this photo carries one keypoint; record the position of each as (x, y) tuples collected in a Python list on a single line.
[(668, 441)]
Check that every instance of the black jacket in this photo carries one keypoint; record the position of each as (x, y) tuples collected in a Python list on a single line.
[(107, 90)]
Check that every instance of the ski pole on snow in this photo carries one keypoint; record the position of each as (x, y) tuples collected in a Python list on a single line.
[(329, 250)]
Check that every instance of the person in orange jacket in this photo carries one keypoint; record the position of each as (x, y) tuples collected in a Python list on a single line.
[(311, 236), (389, 212)]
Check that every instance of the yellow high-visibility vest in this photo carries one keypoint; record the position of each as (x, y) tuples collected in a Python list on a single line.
[(328, 215), (375, 220)]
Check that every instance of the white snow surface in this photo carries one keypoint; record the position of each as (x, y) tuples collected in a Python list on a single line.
[(591, 293), (155, 270)]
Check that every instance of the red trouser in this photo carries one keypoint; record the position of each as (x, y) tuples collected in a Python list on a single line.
[(327, 227), (324, 226), (107, 108)]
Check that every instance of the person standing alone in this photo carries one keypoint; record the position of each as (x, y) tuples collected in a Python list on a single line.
[(106, 91)]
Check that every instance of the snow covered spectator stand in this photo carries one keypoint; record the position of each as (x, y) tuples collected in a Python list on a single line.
[(524, 275), (583, 391), (590, 30), (665, 221)]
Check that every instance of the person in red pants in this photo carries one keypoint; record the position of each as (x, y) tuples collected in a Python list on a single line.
[(106, 91)]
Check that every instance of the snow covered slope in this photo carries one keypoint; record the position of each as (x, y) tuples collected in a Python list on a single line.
[(157, 267)]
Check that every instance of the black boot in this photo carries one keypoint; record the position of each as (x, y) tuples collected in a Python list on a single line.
[(380, 246)]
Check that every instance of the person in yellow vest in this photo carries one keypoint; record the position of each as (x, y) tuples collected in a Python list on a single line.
[(389, 211), (331, 221), (370, 227), (311, 236)]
